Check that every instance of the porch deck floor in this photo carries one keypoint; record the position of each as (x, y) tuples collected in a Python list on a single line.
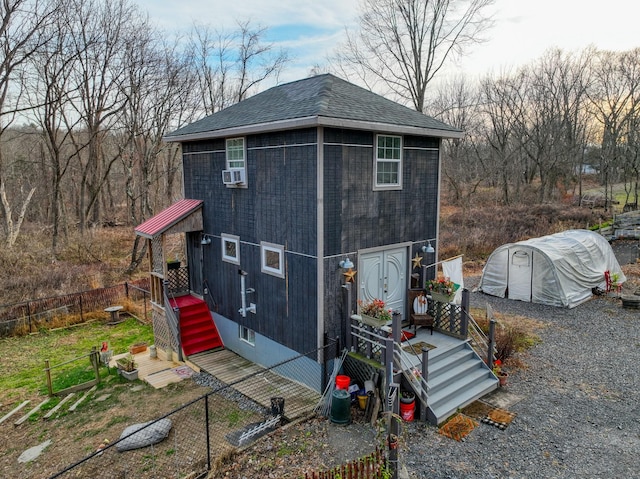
[(258, 383), (442, 343)]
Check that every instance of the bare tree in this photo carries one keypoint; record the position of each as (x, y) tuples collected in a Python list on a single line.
[(502, 104), (611, 104), (552, 128), (229, 65), (22, 33), (403, 44), (457, 104)]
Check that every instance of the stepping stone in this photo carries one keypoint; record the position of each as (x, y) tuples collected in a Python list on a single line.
[(33, 452), (102, 398)]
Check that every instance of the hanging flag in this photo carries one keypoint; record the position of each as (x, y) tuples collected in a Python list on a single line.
[(452, 269)]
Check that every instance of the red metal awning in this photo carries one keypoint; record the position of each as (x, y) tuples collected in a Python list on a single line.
[(164, 220)]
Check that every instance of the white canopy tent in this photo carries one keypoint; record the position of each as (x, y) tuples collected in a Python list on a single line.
[(558, 270)]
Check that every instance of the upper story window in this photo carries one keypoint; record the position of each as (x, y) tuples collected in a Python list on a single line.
[(272, 259), (235, 153), (388, 169), (230, 248)]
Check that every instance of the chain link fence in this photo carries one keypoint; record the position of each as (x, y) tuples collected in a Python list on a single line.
[(192, 440)]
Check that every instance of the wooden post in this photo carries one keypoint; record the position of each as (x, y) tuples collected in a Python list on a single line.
[(492, 342), (95, 362), (47, 371)]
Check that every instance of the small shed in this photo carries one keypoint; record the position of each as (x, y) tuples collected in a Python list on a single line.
[(559, 270)]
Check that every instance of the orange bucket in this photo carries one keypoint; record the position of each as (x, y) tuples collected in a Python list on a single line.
[(407, 410), (343, 382)]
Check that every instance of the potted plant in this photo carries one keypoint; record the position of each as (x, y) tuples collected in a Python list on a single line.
[(407, 397), (127, 367), (173, 264), (374, 313), (441, 289), (138, 347), (500, 373)]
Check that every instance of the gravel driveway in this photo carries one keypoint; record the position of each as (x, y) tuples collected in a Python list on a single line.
[(577, 403)]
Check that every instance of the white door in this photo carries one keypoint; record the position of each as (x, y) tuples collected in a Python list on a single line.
[(520, 270), (383, 275)]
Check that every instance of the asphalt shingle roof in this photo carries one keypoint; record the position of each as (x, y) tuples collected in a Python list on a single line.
[(323, 96)]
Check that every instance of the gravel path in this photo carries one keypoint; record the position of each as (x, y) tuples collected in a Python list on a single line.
[(577, 403)]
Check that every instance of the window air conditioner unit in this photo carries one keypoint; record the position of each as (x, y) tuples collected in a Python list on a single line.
[(232, 177)]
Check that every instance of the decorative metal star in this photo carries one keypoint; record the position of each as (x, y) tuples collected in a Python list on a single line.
[(417, 261), (350, 275)]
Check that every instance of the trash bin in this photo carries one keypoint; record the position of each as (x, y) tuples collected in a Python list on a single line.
[(340, 407)]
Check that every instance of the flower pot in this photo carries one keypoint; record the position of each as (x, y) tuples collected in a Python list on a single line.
[(502, 377), (373, 322), (130, 375), (407, 397), (137, 348), (441, 297)]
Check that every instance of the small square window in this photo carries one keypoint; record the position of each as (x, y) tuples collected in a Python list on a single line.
[(247, 335), (230, 248), (272, 259), (235, 153)]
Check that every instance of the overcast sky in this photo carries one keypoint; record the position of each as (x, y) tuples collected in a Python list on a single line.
[(523, 29)]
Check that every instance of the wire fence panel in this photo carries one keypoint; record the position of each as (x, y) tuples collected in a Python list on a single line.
[(68, 309), (193, 439)]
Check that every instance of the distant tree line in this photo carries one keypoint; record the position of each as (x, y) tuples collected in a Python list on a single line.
[(534, 133), (88, 89)]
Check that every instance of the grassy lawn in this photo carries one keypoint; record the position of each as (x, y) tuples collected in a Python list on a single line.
[(22, 360)]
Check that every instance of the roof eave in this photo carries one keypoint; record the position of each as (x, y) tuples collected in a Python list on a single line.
[(305, 122)]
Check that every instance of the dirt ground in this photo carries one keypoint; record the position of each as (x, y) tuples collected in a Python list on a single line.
[(289, 452), (76, 435)]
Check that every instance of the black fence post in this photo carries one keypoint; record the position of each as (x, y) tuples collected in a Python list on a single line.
[(81, 316), (206, 417), (126, 289), (492, 342)]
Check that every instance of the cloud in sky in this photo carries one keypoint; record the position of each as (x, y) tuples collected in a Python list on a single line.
[(523, 30)]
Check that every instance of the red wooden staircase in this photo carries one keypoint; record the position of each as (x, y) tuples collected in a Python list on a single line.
[(198, 332)]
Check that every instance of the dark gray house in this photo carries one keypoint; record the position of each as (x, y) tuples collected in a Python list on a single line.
[(286, 186)]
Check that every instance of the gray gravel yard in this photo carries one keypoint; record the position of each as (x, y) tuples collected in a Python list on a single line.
[(577, 403)]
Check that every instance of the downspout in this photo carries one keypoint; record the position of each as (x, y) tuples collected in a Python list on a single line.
[(320, 244)]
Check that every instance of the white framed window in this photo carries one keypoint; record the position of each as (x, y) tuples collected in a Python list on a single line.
[(272, 259), (230, 248), (388, 169), (235, 153), (247, 335)]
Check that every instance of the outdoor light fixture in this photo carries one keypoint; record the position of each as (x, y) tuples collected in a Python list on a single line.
[(346, 263), (205, 240), (428, 248)]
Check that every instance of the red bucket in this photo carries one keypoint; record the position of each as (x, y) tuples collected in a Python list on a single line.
[(343, 382), (407, 410)]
